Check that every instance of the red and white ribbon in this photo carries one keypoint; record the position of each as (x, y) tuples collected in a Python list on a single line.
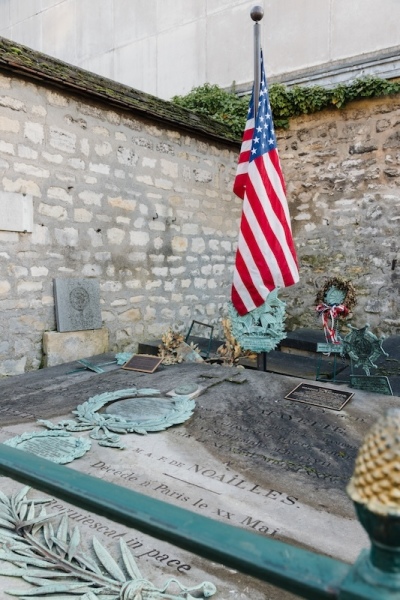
[(329, 315)]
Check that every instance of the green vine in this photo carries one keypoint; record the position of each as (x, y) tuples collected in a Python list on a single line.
[(221, 105), (228, 108)]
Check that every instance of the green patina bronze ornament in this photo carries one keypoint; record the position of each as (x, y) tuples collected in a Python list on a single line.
[(363, 347), (126, 411), (123, 357), (334, 296), (262, 329), (47, 553), (58, 446), (335, 291)]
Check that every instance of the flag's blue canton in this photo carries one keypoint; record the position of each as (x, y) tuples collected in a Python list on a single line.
[(264, 135)]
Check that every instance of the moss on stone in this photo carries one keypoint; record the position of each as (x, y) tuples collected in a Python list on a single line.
[(35, 65)]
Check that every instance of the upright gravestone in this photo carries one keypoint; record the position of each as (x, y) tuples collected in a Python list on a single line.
[(77, 303)]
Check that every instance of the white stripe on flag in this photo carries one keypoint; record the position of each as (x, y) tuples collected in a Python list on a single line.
[(274, 222), (241, 290), (264, 247), (246, 146), (242, 168), (277, 185), (248, 257)]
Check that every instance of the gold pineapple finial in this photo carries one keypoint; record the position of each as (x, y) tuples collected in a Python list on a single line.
[(376, 479)]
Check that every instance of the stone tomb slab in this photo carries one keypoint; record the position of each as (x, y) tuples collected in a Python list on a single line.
[(77, 303), (247, 456)]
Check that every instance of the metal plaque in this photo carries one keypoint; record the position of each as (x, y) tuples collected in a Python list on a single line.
[(378, 384), (130, 410), (143, 362), (58, 446), (320, 396), (330, 348)]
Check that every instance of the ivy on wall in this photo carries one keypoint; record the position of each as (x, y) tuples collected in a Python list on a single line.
[(223, 106), (230, 109)]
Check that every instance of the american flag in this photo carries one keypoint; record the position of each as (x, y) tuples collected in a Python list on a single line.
[(266, 257)]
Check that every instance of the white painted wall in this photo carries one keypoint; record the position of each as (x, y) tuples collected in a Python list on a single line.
[(165, 47)]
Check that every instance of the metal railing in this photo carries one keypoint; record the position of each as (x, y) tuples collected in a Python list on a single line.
[(307, 574)]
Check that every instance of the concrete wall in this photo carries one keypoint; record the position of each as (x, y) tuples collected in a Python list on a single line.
[(166, 47), (145, 209)]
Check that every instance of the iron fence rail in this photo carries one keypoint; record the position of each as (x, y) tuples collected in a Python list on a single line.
[(299, 571)]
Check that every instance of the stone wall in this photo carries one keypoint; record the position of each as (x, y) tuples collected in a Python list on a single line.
[(342, 169), (145, 209)]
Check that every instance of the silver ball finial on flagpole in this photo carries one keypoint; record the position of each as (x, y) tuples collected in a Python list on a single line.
[(257, 13)]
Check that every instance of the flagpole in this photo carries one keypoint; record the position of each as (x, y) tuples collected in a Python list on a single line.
[(257, 13)]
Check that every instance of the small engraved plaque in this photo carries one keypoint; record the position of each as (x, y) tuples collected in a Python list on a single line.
[(319, 396), (143, 362), (378, 384), (58, 446), (330, 348)]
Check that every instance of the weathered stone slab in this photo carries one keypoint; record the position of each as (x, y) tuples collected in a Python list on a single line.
[(247, 456), (77, 303), (61, 348)]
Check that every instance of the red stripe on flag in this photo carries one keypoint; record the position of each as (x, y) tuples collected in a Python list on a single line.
[(244, 157), (259, 259), (237, 302), (274, 157), (251, 289)]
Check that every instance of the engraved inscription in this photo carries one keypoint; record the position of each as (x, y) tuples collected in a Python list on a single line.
[(57, 446), (198, 493), (111, 531), (51, 447), (297, 438)]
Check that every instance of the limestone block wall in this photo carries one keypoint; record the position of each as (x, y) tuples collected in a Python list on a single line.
[(342, 170), (145, 209)]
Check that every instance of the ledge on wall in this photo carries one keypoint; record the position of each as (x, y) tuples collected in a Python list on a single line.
[(384, 64)]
